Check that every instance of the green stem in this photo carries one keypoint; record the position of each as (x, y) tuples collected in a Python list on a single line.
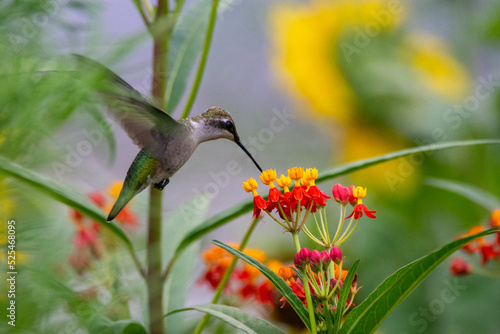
[(312, 237), (341, 241), (328, 317), (226, 276), (307, 290), (144, 18), (203, 60), (323, 237), (154, 279), (277, 221)]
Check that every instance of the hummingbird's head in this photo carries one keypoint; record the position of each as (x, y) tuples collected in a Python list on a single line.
[(215, 123)]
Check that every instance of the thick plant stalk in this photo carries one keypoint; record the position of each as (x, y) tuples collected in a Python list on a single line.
[(154, 279)]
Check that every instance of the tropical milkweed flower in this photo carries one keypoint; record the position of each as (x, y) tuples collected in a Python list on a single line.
[(294, 207), (259, 203), (360, 208), (89, 243), (487, 248), (245, 281)]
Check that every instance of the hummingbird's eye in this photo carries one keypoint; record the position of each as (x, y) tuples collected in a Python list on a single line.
[(229, 125)]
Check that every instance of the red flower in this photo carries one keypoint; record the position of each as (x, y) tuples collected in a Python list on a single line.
[(98, 199), (249, 290), (298, 193), (273, 199), (127, 218), (298, 289), (460, 267), (259, 204), (318, 197), (358, 212), (214, 275), (265, 293), (488, 252)]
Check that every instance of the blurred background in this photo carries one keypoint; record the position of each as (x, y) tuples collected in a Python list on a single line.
[(310, 83)]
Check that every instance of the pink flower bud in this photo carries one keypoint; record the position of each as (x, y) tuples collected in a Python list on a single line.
[(325, 257), (336, 254), (315, 257), (333, 282), (340, 193), (302, 257)]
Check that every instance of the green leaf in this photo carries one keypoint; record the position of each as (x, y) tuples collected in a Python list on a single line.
[(365, 163), (185, 47), (367, 316), (344, 293), (236, 318), (240, 209), (215, 222), (476, 195), (106, 326), (277, 281), (62, 194)]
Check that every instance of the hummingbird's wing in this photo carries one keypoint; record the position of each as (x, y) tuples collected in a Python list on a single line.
[(147, 125)]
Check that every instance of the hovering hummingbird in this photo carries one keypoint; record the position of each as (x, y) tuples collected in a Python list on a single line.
[(166, 144)]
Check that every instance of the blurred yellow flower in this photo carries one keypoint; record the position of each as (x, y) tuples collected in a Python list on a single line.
[(366, 142), (306, 38), (314, 44), (437, 68)]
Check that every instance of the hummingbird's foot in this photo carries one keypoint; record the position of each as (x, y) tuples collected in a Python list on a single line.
[(162, 184)]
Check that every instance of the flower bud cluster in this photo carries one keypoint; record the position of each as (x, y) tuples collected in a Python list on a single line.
[(317, 259)]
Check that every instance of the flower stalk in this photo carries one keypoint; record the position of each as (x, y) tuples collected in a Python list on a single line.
[(321, 273), (227, 275)]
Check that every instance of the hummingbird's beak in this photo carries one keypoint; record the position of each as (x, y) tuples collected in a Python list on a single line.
[(237, 141)]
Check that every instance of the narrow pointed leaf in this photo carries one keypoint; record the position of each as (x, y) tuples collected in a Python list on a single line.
[(365, 163), (367, 316), (62, 194), (215, 222), (246, 206), (186, 45), (476, 195), (344, 293), (236, 318), (277, 281)]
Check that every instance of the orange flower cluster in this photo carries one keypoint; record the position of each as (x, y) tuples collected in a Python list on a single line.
[(489, 249), (87, 242), (304, 195), (293, 207), (245, 281)]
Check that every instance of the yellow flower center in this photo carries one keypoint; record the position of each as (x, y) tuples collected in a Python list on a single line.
[(268, 176), (296, 173), (284, 182), (250, 185)]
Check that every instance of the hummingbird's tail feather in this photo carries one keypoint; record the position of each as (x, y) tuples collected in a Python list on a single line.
[(137, 180), (123, 199)]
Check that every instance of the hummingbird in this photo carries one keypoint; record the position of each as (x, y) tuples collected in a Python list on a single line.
[(166, 144)]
